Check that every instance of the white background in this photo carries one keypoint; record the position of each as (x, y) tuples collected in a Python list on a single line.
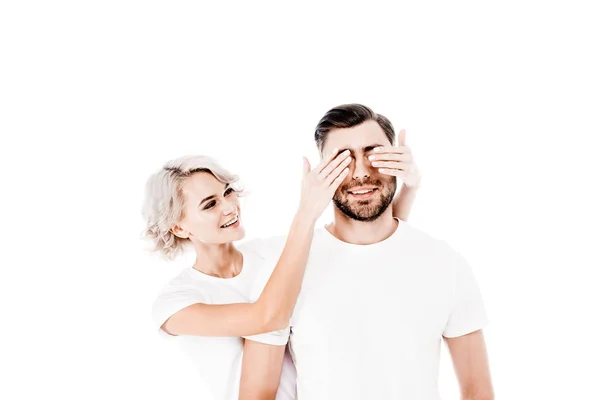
[(501, 103)]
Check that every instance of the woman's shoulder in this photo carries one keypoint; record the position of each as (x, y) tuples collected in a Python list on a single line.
[(264, 247), (187, 280)]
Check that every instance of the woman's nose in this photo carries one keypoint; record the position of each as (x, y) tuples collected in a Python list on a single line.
[(229, 208)]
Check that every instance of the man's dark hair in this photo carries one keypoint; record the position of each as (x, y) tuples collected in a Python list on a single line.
[(347, 116)]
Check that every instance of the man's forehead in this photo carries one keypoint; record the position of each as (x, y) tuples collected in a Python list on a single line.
[(357, 137)]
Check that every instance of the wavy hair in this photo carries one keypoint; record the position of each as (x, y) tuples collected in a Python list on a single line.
[(164, 201)]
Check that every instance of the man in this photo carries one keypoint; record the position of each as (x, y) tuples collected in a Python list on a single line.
[(378, 296)]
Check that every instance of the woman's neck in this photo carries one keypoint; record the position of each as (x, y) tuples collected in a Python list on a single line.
[(219, 260)]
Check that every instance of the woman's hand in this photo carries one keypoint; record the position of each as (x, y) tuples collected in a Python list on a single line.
[(319, 184), (397, 161)]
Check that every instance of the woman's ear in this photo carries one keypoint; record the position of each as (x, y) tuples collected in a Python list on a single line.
[(178, 231)]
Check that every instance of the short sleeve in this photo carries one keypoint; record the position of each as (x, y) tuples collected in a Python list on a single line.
[(467, 313), (170, 301), (276, 338)]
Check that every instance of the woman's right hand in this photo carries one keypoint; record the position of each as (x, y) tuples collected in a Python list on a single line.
[(319, 184)]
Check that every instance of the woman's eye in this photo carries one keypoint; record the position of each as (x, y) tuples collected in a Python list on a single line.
[(210, 205), (229, 191)]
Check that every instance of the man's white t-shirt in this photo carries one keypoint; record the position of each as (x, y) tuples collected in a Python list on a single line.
[(370, 318), (218, 359)]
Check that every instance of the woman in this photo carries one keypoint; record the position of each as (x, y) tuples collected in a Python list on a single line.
[(192, 200)]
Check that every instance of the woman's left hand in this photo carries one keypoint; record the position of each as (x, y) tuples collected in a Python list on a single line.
[(397, 161)]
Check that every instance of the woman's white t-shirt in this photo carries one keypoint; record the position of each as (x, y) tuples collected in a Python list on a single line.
[(217, 359)]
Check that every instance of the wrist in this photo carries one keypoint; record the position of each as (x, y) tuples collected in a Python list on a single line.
[(414, 179), (414, 184), (305, 217), (411, 187)]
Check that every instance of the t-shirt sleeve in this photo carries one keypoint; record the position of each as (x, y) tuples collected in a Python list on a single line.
[(171, 300), (467, 312), (276, 338)]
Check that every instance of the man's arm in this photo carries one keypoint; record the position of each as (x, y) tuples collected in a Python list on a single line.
[(469, 357), (261, 370)]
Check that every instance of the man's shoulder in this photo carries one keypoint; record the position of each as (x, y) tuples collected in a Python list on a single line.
[(415, 236), (433, 248)]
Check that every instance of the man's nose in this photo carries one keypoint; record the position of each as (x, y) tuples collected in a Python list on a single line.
[(361, 168)]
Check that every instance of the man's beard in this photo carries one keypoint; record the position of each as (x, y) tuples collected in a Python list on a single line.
[(370, 209)]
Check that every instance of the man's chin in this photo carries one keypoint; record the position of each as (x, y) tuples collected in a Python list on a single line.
[(358, 212), (365, 209)]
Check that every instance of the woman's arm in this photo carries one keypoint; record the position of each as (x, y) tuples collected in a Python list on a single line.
[(403, 201), (276, 303), (272, 309), (398, 161)]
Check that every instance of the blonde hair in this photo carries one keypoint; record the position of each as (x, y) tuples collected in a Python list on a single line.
[(164, 201)]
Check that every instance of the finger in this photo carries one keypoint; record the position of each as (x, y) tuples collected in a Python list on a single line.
[(305, 166), (342, 158), (393, 172), (338, 181), (336, 172), (326, 160), (391, 157), (391, 149), (404, 149), (391, 164), (401, 138)]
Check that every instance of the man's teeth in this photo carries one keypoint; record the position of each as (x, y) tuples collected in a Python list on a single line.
[(233, 221), (362, 191)]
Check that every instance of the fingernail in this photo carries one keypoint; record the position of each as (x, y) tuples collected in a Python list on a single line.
[(371, 157), (377, 149), (335, 151)]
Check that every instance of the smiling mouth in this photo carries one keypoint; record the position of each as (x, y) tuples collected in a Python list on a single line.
[(362, 191), (233, 221)]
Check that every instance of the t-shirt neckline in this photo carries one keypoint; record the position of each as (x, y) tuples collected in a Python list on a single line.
[(201, 275), (339, 242)]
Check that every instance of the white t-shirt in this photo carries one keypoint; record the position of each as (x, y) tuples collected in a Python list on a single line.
[(370, 318), (218, 359)]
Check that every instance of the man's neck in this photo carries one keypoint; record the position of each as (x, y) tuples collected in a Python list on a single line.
[(357, 232)]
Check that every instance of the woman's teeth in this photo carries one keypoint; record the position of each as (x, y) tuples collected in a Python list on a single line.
[(230, 223)]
